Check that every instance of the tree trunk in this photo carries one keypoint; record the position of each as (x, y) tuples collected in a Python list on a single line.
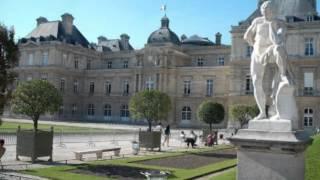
[(35, 122), (210, 128), (149, 123)]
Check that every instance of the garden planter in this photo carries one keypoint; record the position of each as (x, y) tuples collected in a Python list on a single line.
[(34, 144), (150, 140)]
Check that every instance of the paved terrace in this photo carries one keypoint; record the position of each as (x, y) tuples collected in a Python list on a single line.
[(66, 144)]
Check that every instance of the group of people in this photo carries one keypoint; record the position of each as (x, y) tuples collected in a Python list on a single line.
[(191, 139)]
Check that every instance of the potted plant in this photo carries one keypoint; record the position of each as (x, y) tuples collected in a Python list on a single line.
[(210, 113), (151, 105), (33, 99)]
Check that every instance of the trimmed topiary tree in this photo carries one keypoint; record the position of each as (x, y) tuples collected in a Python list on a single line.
[(151, 105), (9, 56), (35, 98), (211, 113), (243, 113)]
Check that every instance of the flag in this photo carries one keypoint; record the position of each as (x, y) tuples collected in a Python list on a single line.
[(163, 8)]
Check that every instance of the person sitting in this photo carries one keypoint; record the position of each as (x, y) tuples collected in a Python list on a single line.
[(2, 149), (191, 139)]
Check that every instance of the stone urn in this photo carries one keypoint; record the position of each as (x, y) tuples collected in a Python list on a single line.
[(34, 144)]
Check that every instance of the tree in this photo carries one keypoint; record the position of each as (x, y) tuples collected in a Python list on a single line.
[(243, 113), (151, 105), (9, 56), (35, 98), (211, 113)]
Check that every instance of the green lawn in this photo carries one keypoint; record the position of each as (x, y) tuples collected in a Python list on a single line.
[(11, 127), (312, 163), (61, 172)]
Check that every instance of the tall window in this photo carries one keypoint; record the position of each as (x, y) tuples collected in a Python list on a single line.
[(125, 88), (186, 113), (309, 47), (109, 65), (107, 110), (30, 59), (61, 109), (76, 63), (124, 111), (75, 86), (249, 51), (200, 61), (150, 84), (62, 85), (125, 64), (249, 86), (88, 64), (91, 88), (91, 109), (107, 88), (308, 83), (220, 61), (44, 76), (308, 117), (187, 88), (45, 57), (137, 82), (209, 87), (74, 109)]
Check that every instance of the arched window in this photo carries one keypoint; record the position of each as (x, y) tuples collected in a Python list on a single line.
[(186, 113), (107, 110), (124, 111), (91, 109), (308, 117)]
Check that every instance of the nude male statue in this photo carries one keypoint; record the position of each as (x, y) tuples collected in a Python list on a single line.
[(267, 36)]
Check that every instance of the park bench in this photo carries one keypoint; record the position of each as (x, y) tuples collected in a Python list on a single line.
[(98, 152)]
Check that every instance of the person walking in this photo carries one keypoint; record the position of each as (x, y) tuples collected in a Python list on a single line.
[(166, 136), (2, 150)]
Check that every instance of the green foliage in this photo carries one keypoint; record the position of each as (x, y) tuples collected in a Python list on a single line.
[(243, 113), (9, 55), (313, 160), (211, 113), (151, 105), (35, 98)]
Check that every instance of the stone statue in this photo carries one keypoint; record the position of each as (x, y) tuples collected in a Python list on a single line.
[(267, 35)]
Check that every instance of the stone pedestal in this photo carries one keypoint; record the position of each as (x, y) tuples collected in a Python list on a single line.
[(266, 153)]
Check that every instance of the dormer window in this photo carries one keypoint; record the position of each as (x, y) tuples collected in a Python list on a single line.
[(125, 65), (310, 18), (200, 61)]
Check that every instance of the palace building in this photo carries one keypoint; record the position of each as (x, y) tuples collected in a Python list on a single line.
[(98, 79)]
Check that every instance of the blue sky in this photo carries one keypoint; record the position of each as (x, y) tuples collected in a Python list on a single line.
[(137, 18)]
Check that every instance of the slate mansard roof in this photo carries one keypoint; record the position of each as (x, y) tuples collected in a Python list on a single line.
[(54, 30)]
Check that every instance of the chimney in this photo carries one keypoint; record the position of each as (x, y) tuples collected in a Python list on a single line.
[(101, 39), (67, 23), (183, 37), (125, 41), (218, 38), (41, 20)]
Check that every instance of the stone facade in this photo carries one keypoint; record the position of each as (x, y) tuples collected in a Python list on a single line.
[(97, 80)]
